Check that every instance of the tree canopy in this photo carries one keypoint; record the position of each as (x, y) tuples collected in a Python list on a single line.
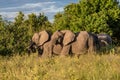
[(15, 36), (98, 16)]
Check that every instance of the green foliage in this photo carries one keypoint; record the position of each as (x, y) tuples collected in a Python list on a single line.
[(98, 16), (19, 19), (6, 38)]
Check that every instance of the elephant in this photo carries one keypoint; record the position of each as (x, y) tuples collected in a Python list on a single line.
[(53, 46), (105, 42), (38, 40), (105, 39), (68, 38), (85, 42)]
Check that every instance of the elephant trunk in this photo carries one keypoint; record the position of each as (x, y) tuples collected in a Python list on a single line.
[(31, 48)]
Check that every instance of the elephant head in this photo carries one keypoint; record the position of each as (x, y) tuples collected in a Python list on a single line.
[(105, 40), (32, 45), (44, 36), (54, 45), (39, 39), (69, 37), (35, 38), (57, 37)]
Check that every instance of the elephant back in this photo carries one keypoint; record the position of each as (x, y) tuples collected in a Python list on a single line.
[(83, 35), (69, 37), (44, 36), (56, 36)]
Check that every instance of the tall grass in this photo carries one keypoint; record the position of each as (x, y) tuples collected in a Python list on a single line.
[(87, 67)]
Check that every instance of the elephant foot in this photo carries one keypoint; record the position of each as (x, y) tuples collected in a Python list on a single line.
[(40, 52), (77, 56)]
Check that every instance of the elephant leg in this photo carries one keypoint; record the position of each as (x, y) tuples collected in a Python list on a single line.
[(40, 51), (47, 51), (91, 45), (31, 48), (65, 50), (77, 55), (50, 52), (57, 49), (29, 51)]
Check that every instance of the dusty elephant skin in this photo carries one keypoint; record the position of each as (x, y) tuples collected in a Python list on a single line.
[(59, 43), (54, 43), (38, 40), (85, 43), (68, 38)]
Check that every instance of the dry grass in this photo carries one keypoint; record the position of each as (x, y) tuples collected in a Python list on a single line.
[(87, 67)]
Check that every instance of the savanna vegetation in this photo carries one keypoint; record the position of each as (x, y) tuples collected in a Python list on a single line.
[(87, 67), (91, 15)]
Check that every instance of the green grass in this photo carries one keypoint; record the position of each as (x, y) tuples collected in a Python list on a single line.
[(87, 67)]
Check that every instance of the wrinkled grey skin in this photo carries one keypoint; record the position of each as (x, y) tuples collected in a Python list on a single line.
[(68, 38), (68, 42), (38, 40), (59, 45), (54, 45), (85, 43), (105, 40), (65, 42)]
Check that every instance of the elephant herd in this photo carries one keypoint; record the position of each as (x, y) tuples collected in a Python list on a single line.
[(66, 42)]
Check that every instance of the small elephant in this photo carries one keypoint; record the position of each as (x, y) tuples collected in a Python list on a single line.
[(38, 40), (105, 40)]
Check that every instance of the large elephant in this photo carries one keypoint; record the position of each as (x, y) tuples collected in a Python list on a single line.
[(105, 40), (38, 40), (53, 46), (85, 42), (68, 38)]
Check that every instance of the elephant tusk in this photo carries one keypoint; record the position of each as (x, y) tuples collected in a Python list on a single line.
[(104, 42)]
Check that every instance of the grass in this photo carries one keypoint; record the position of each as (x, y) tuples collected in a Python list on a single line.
[(87, 67)]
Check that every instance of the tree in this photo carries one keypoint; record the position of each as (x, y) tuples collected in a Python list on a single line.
[(97, 16), (16, 35), (6, 38), (19, 19)]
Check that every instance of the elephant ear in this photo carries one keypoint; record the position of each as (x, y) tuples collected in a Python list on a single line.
[(57, 35), (83, 35), (35, 38), (43, 37), (69, 37)]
